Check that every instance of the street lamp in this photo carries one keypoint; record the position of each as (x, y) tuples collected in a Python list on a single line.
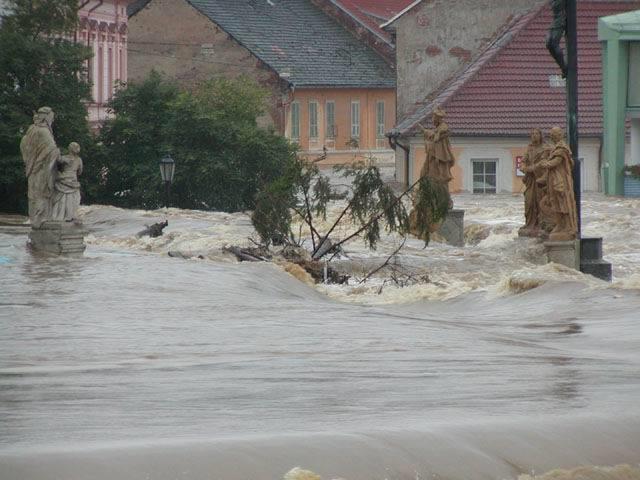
[(167, 170)]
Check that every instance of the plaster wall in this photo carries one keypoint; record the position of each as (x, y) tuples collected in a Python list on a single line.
[(437, 38), (504, 151), (175, 39), (339, 148), (103, 28)]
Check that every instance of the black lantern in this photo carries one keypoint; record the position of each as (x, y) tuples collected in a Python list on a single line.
[(167, 170)]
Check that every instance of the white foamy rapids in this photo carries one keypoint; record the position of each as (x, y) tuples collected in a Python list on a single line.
[(189, 233), (494, 259)]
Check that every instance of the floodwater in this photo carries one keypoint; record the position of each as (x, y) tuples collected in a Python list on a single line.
[(130, 364)]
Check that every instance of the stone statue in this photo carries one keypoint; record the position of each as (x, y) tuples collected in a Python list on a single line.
[(559, 200), (439, 157), (439, 160), (534, 191), (66, 194), (557, 30), (40, 154)]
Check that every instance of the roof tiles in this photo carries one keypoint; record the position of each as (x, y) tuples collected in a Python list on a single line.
[(512, 87)]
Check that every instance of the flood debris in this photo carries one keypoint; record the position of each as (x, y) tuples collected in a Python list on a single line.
[(320, 271), (154, 230)]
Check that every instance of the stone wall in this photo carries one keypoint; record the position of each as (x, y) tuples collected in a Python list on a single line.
[(175, 39), (437, 38)]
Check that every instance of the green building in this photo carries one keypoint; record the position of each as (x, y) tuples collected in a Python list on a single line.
[(620, 37)]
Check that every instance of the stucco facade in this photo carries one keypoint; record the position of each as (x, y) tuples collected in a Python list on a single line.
[(335, 130), (504, 152), (104, 28), (436, 38)]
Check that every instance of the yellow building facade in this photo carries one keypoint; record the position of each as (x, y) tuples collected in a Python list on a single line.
[(347, 123)]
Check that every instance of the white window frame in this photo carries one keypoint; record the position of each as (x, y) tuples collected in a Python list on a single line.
[(330, 117), (355, 119), (314, 131), (496, 161), (380, 126), (295, 120)]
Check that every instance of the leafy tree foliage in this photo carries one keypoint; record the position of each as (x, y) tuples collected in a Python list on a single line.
[(371, 207), (222, 157), (39, 66)]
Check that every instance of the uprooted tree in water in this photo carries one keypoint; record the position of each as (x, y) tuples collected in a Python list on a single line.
[(369, 207)]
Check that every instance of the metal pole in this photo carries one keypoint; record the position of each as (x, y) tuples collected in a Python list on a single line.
[(167, 186), (572, 102)]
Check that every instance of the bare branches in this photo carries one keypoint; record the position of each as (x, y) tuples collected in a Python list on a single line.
[(386, 262)]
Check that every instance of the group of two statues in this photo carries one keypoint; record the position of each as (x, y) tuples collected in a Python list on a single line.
[(549, 201), (53, 187)]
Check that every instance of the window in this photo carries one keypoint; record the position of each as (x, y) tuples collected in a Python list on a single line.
[(313, 119), (633, 97), (380, 130), (484, 176), (295, 120), (355, 119), (330, 109)]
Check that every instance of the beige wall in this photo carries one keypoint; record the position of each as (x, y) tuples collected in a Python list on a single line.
[(173, 38), (504, 151), (437, 38), (369, 143)]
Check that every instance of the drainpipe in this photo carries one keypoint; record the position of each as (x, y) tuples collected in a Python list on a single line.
[(393, 142)]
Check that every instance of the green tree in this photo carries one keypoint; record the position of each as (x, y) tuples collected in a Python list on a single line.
[(39, 66), (371, 206), (222, 157)]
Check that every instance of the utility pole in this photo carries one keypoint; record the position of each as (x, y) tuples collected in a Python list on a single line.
[(572, 102)]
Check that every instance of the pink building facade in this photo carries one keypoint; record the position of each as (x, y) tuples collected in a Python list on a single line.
[(103, 28)]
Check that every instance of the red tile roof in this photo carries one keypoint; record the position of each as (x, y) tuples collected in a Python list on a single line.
[(508, 90), (373, 13)]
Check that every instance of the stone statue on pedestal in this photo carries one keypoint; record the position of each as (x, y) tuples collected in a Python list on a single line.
[(40, 154), (559, 201), (439, 161), (54, 191)]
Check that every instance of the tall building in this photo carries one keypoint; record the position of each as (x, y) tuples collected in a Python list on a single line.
[(104, 28)]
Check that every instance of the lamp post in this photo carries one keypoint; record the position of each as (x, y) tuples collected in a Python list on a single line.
[(167, 170)]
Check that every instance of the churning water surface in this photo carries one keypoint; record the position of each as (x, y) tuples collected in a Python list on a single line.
[(129, 364)]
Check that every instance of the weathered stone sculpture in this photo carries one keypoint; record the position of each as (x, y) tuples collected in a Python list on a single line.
[(535, 182), (439, 161), (40, 154), (66, 195), (439, 157), (559, 200), (54, 191)]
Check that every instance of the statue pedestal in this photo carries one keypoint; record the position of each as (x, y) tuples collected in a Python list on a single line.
[(565, 253), (452, 229), (61, 238), (591, 261)]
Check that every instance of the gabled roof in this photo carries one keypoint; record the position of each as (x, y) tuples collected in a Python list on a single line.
[(514, 86), (373, 13), (401, 13), (298, 41)]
